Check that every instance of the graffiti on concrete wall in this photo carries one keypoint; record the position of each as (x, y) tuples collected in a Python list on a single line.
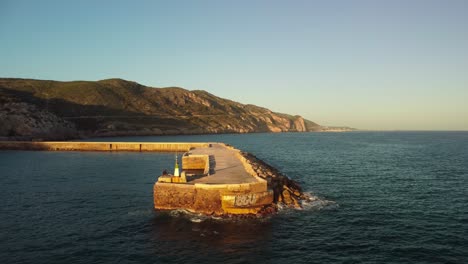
[(245, 200)]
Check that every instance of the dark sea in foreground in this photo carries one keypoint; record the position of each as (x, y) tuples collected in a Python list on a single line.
[(385, 197)]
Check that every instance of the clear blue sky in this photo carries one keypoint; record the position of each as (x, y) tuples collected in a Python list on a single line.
[(367, 64)]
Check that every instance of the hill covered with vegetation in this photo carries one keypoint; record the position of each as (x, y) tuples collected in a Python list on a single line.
[(41, 109)]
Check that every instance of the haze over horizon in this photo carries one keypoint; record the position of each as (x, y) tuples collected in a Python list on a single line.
[(376, 65)]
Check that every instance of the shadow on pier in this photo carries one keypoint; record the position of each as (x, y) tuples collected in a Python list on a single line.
[(212, 162)]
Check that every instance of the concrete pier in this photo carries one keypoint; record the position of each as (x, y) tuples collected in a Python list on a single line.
[(225, 184), (215, 179)]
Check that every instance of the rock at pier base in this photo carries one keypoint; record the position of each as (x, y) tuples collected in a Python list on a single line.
[(285, 190)]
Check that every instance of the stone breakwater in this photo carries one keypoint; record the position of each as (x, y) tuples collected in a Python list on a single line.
[(285, 190)]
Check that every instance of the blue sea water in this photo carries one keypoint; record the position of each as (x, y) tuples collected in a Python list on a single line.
[(384, 197)]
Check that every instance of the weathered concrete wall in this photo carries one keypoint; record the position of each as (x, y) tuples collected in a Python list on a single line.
[(248, 203), (188, 197), (173, 196), (247, 166), (100, 146), (216, 199), (195, 162)]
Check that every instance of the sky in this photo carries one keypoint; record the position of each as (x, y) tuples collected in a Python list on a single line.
[(376, 65)]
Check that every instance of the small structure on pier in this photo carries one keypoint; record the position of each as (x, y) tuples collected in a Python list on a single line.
[(176, 169)]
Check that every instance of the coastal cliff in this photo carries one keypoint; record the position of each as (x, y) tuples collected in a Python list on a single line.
[(115, 107), (40, 109)]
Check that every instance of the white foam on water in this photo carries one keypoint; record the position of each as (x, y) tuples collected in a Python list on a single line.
[(199, 218), (196, 220), (312, 203), (316, 203), (192, 217)]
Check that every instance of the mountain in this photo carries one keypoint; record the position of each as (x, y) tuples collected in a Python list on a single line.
[(41, 109)]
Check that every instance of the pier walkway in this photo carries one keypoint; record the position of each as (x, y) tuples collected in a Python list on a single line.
[(225, 165)]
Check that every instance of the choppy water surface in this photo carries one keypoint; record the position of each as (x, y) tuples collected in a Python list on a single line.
[(385, 197)]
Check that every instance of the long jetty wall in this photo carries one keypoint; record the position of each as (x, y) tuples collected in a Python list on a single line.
[(100, 146)]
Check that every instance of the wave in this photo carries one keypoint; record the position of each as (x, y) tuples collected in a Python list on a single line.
[(192, 217), (316, 203)]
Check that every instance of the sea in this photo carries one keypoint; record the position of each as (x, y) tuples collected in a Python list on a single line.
[(379, 197)]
